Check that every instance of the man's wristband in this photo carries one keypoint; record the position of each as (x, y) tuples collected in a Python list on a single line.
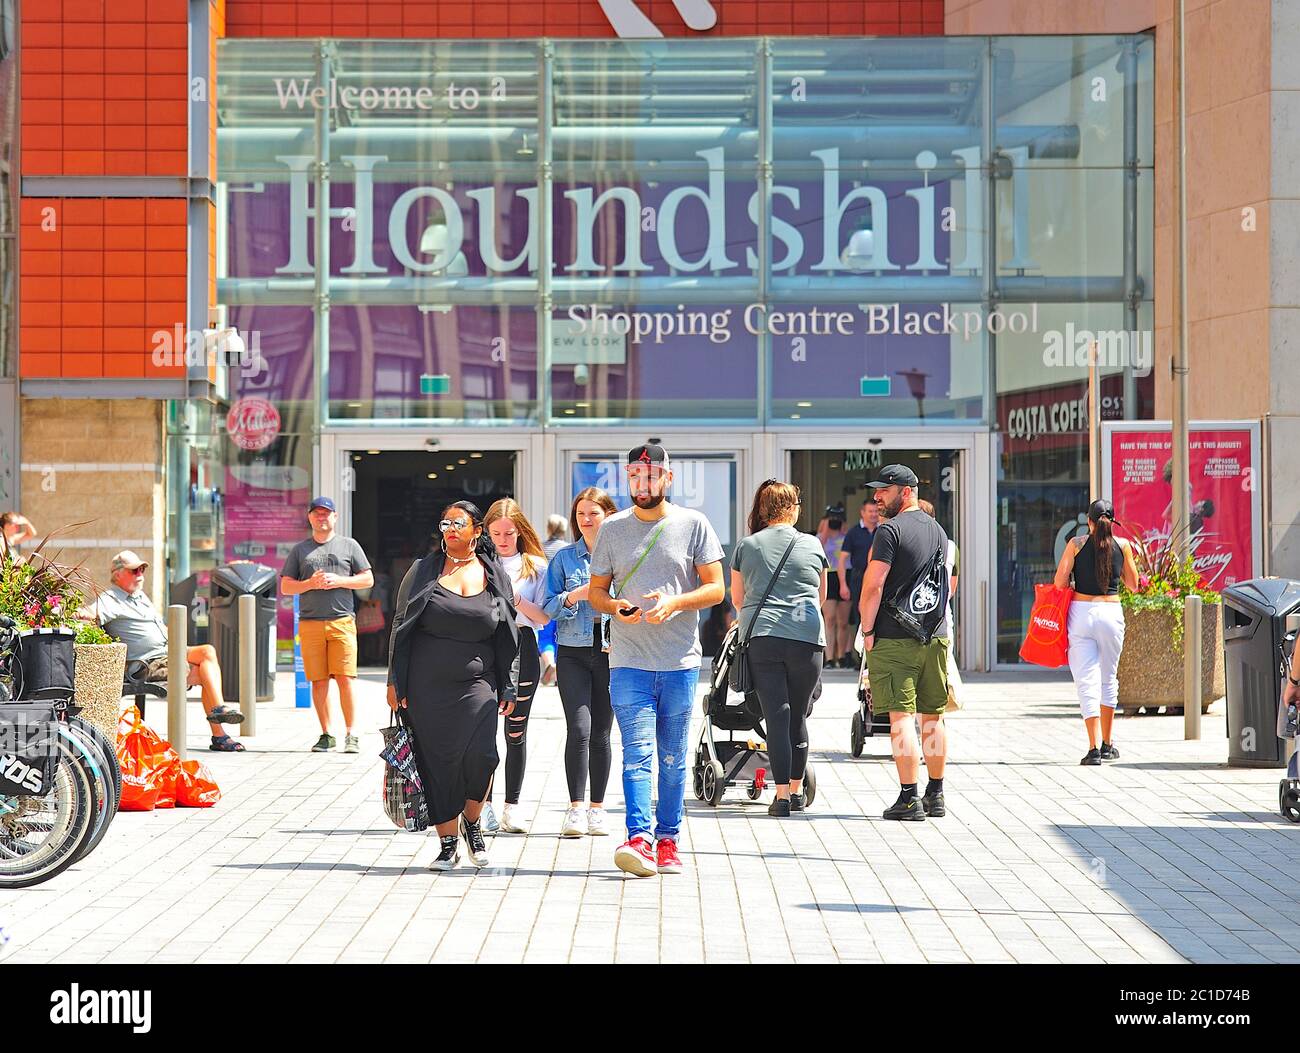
[(869, 632)]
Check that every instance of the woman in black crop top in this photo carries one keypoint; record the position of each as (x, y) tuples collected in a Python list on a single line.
[(1096, 566)]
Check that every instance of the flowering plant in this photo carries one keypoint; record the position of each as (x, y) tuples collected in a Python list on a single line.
[(38, 592), (1164, 581)]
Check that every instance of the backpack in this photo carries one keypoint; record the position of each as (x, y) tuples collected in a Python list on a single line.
[(919, 606)]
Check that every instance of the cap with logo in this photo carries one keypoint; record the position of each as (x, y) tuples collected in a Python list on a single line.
[(127, 560), (894, 475), (1101, 509), (651, 454), (321, 502)]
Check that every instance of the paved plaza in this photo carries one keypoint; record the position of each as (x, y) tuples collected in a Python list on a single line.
[(1166, 856)]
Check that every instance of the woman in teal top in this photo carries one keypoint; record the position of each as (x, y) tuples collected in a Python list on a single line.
[(785, 650)]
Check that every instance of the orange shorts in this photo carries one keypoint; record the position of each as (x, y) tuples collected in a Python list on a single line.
[(329, 648)]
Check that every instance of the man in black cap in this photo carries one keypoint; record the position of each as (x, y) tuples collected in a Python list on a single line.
[(324, 570), (654, 567), (901, 596)]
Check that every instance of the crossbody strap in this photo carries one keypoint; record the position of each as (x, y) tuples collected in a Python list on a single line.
[(768, 591), (654, 538)]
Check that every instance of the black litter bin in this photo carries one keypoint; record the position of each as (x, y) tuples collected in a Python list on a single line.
[(1254, 626), (193, 594), (229, 583)]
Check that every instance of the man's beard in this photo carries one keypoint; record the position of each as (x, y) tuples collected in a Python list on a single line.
[(889, 510), (647, 501)]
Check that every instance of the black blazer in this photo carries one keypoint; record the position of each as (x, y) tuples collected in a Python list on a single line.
[(413, 595)]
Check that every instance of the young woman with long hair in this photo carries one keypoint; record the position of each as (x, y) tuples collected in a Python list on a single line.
[(1097, 564), (453, 666), (524, 561), (582, 662)]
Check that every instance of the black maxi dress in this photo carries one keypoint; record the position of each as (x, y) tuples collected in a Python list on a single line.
[(454, 658)]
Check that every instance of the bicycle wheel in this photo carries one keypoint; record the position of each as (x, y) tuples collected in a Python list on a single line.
[(109, 751), (91, 758), (40, 837)]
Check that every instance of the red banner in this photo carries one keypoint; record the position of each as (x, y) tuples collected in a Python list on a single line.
[(1222, 498)]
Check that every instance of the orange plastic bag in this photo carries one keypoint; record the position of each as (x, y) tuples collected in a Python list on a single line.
[(150, 766), (1047, 641), (195, 786)]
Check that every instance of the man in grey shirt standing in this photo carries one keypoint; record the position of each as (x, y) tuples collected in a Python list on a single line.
[(324, 571), (654, 566)]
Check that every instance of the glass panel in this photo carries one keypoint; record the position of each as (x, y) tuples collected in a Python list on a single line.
[(433, 362)]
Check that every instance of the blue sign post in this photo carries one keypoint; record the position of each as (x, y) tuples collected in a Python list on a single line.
[(301, 688)]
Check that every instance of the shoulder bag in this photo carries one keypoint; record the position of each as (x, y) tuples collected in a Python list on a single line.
[(616, 590), (740, 677)]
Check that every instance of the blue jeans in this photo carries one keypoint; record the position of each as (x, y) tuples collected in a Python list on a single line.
[(654, 709)]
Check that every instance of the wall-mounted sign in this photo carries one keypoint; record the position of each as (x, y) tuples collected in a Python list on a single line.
[(253, 424)]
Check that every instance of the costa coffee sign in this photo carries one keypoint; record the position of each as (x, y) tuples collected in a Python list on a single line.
[(253, 424)]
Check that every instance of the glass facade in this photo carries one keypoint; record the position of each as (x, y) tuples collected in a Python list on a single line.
[(763, 233)]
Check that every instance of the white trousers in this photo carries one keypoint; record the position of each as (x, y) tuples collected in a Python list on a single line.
[(1096, 639)]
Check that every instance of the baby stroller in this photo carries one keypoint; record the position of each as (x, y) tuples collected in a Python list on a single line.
[(720, 764), (865, 721), (1288, 727)]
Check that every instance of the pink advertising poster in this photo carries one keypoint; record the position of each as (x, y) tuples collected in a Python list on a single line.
[(1224, 500)]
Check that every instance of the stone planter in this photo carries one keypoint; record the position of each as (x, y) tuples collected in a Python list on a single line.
[(98, 673), (1151, 666)]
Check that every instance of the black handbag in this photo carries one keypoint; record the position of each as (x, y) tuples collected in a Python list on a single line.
[(739, 676)]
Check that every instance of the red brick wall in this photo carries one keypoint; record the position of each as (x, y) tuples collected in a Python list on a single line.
[(571, 18)]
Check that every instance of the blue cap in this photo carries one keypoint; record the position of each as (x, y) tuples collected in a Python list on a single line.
[(322, 502)]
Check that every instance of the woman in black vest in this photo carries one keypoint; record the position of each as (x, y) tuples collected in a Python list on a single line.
[(1097, 564), (453, 665)]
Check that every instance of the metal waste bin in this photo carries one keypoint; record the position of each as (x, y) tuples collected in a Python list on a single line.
[(227, 585), (1254, 626), (193, 593)]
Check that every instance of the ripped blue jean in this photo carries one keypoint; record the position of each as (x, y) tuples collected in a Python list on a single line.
[(654, 710)]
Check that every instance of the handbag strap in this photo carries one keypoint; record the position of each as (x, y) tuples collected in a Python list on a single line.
[(654, 539), (768, 591)]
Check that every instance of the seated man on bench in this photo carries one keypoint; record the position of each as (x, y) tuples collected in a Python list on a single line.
[(126, 612)]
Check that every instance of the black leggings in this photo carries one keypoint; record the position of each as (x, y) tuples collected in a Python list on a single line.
[(584, 692), (785, 673), (530, 670)]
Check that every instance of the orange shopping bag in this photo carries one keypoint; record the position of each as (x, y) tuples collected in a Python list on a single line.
[(149, 765), (195, 786), (1047, 640)]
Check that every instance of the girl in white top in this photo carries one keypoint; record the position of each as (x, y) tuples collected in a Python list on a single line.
[(521, 553)]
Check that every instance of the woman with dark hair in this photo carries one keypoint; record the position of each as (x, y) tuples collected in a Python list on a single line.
[(831, 531), (785, 632), (582, 662), (453, 665), (1097, 564)]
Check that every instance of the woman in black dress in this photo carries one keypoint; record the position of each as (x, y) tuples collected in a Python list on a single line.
[(453, 666)]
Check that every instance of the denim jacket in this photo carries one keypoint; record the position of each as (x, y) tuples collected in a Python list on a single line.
[(570, 568)]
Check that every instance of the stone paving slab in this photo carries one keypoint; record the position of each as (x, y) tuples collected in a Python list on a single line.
[(1166, 856)]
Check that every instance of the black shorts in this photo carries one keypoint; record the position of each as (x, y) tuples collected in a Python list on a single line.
[(832, 585)]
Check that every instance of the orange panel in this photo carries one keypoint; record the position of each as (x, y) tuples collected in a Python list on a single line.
[(83, 365), (42, 137), (127, 365), (82, 287), (38, 290), (83, 315), (168, 35), (164, 264), (40, 365), (165, 210), (169, 237), (124, 212), (166, 86), (42, 111), (124, 237), (83, 162), (43, 59), (84, 60), (39, 338), (128, 34), (122, 162), (167, 10), (82, 10), (83, 85), (82, 263), (129, 11), (83, 236), (123, 264), (42, 85), (127, 312), (168, 137), (34, 261), (123, 289), (44, 35), (42, 162), (170, 289), (84, 112), (124, 86), (125, 340), (166, 162), (169, 60), (83, 210)]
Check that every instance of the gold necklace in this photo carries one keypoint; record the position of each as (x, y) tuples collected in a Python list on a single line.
[(461, 562)]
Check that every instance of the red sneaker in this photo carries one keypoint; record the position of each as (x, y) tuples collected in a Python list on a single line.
[(666, 856), (635, 856)]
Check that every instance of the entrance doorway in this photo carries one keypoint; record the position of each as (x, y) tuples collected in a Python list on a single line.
[(397, 498)]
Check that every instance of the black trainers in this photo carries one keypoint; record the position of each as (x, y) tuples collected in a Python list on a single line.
[(907, 811), (797, 802), (779, 807), (933, 805), (325, 742), (1092, 758), (1108, 751), (450, 854), (474, 843)]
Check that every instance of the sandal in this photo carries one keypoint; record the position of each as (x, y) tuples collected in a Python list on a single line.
[(225, 715), (225, 744)]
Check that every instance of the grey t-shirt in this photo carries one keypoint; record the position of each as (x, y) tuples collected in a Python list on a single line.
[(338, 555), (134, 620), (792, 612), (687, 541)]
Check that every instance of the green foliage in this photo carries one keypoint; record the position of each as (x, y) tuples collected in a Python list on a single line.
[(40, 593), (1164, 582), (92, 634)]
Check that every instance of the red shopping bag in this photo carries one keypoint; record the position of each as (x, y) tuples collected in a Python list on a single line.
[(195, 786), (149, 765), (1047, 640)]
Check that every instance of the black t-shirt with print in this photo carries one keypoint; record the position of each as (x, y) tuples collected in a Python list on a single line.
[(907, 543)]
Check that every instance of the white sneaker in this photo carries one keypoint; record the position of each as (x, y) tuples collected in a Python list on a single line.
[(596, 822), (509, 823), (573, 825), (489, 819)]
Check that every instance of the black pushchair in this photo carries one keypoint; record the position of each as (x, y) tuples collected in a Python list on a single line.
[(718, 763), (866, 722)]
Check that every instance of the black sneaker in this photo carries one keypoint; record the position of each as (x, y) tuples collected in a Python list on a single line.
[(1108, 751), (907, 811), (325, 742), (933, 805), (797, 802), (1092, 758), (779, 807), (474, 843), (450, 854)]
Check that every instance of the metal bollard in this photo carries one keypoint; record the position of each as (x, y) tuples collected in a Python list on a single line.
[(178, 669), (1191, 668), (248, 663)]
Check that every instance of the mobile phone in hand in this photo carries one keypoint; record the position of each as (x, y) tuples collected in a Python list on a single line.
[(628, 610)]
